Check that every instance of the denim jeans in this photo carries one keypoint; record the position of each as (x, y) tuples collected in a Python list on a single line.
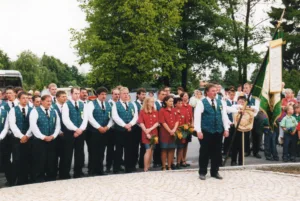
[(270, 144), (289, 146)]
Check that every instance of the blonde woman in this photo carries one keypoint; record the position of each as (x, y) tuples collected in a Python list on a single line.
[(148, 120)]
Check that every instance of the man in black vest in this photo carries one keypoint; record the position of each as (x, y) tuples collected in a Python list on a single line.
[(211, 124), (19, 125)]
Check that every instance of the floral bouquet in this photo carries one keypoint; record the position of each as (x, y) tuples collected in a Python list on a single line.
[(153, 140), (183, 132)]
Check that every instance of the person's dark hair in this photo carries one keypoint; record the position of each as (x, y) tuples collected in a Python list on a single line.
[(18, 89), (208, 87), (151, 92), (296, 106), (35, 97), (21, 94), (231, 91), (140, 90), (101, 90), (73, 88), (176, 100), (44, 97), (159, 91), (83, 89), (180, 88), (59, 93), (10, 88), (29, 94), (183, 93), (242, 98), (165, 100)]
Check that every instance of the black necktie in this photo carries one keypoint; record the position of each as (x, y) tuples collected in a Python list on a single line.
[(23, 112), (213, 104), (84, 102), (76, 106), (126, 106), (54, 99), (102, 106), (12, 104), (232, 103), (47, 114)]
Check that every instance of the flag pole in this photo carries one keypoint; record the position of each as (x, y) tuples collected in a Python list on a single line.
[(248, 98)]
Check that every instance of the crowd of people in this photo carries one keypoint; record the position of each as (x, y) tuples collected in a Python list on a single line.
[(40, 134)]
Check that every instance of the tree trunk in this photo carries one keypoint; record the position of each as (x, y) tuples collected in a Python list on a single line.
[(246, 36)]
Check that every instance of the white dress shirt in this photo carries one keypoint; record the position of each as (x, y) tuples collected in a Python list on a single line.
[(5, 128), (117, 119), (66, 117), (33, 117), (12, 123), (159, 102), (256, 104), (84, 102), (16, 102), (200, 109), (93, 122)]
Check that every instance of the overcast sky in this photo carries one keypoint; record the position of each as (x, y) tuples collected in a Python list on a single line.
[(43, 26), (40, 26)]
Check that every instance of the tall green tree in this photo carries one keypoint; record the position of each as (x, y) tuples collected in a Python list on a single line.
[(4, 61), (206, 36), (291, 28), (129, 41)]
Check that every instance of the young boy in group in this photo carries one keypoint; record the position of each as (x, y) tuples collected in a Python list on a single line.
[(289, 124), (271, 153), (237, 143)]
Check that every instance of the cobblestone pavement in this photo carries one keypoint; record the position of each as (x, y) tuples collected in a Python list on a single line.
[(169, 185)]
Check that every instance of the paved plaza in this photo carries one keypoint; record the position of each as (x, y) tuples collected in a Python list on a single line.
[(185, 185)]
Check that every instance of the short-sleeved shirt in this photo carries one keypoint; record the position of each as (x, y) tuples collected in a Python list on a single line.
[(170, 118), (182, 116), (148, 119), (289, 122), (189, 111)]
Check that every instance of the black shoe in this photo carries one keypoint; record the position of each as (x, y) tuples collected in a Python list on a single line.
[(101, 173), (128, 171), (78, 175), (107, 171), (202, 177), (276, 158), (156, 165), (293, 160), (217, 176), (121, 169), (285, 160), (116, 171), (173, 167), (183, 165), (233, 163), (257, 155), (247, 154), (269, 158), (178, 167)]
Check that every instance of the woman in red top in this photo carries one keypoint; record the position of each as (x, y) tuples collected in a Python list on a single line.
[(181, 114), (169, 124), (148, 120), (190, 120)]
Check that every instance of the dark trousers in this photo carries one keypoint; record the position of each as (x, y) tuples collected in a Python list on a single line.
[(98, 143), (289, 146), (237, 148), (20, 163), (110, 148), (88, 144), (44, 158), (157, 155), (136, 144), (247, 142), (270, 144), (124, 140), (59, 152), (71, 143), (210, 148), (6, 149), (228, 139), (256, 139)]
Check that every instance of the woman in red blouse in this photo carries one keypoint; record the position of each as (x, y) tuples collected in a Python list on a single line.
[(181, 114), (148, 120), (190, 120), (169, 122)]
